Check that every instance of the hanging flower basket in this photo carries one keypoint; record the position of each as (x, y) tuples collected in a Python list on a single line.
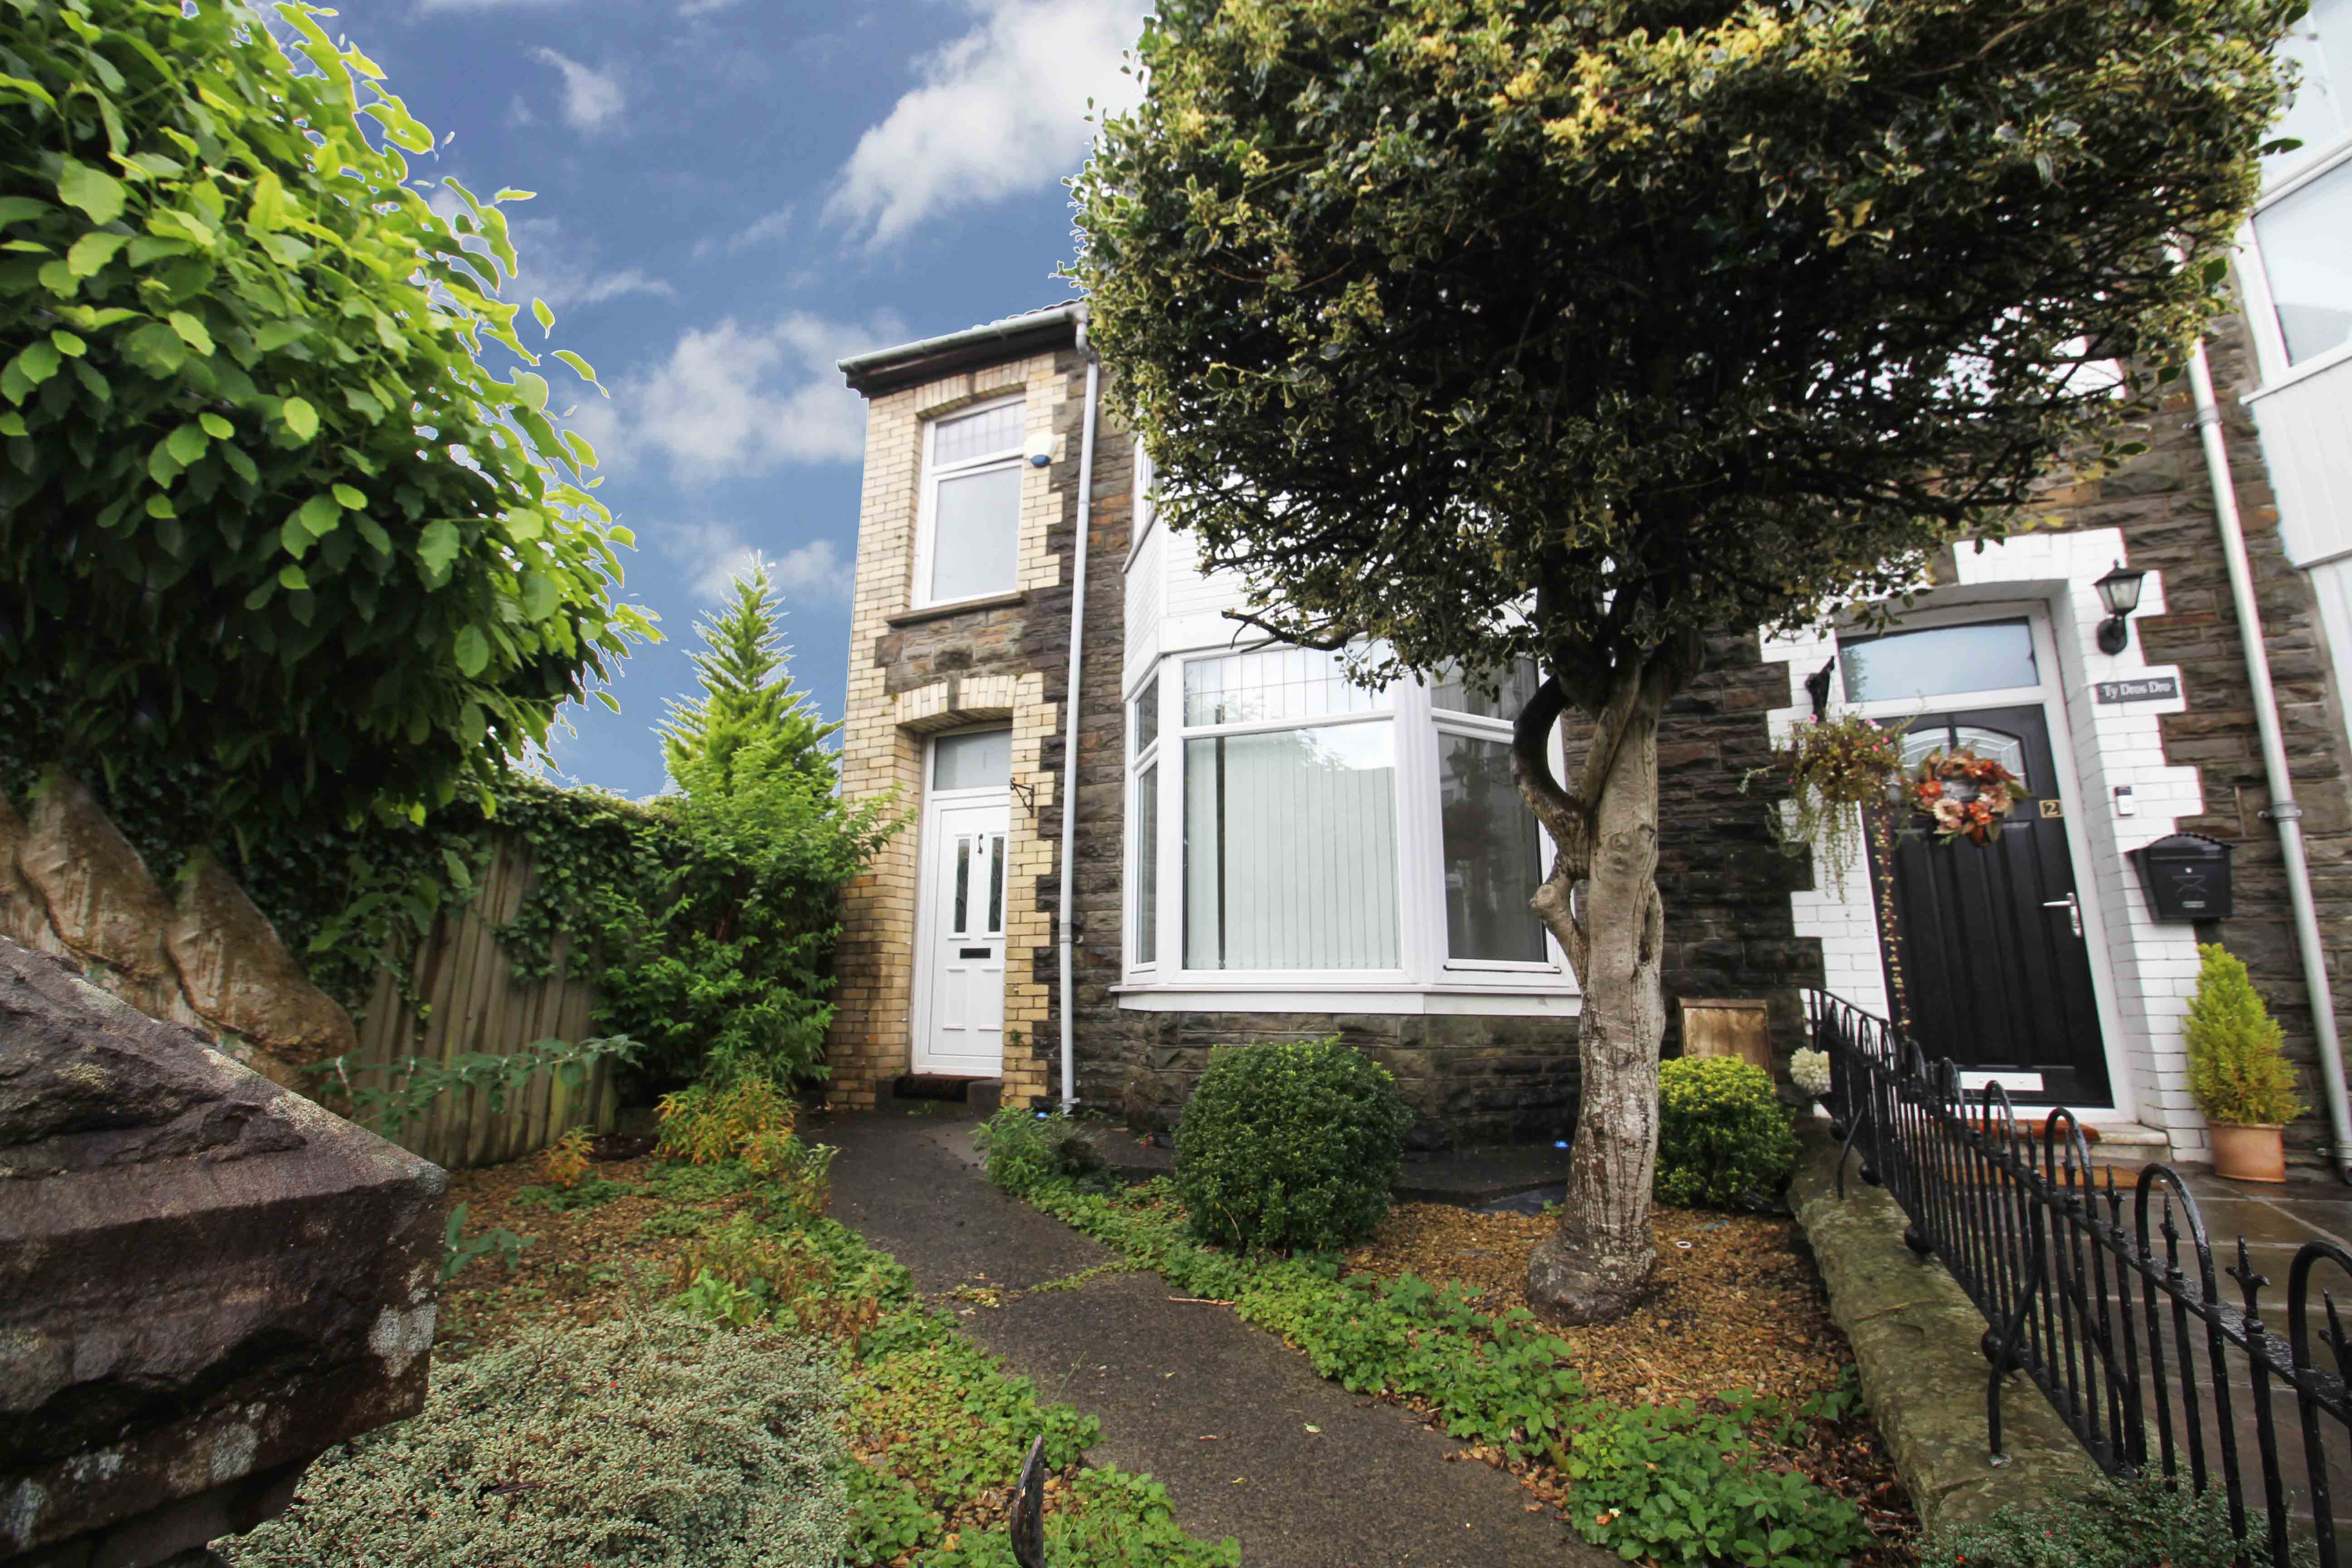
[(1969, 797), (1835, 766)]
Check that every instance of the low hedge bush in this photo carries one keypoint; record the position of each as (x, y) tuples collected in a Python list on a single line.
[(1724, 1136), (639, 1441), (2146, 1522), (1291, 1144)]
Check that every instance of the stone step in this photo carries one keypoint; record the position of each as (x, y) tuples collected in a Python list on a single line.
[(982, 1095)]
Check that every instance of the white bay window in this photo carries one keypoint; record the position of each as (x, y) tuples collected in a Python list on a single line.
[(2299, 243), (1299, 832)]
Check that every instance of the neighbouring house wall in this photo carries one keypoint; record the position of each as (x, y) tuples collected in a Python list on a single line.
[(916, 672), (2193, 763)]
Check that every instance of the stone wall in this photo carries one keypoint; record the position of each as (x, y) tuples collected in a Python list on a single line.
[(2164, 504), (1722, 876), (202, 955), (1469, 1080), (1097, 890)]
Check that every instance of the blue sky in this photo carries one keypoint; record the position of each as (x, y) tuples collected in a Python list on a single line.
[(731, 195)]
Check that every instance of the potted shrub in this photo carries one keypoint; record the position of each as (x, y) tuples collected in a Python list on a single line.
[(2238, 1071)]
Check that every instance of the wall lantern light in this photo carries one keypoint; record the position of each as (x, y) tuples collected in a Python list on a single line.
[(2120, 592)]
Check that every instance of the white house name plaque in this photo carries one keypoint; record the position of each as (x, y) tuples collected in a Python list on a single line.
[(2144, 689)]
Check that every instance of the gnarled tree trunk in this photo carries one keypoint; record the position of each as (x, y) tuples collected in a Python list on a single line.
[(1596, 1265)]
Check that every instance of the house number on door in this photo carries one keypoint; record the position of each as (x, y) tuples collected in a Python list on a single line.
[(2053, 808)]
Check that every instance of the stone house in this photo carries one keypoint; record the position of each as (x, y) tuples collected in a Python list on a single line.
[(1260, 849)]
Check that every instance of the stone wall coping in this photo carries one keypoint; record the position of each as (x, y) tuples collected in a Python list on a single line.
[(916, 617), (1917, 1342)]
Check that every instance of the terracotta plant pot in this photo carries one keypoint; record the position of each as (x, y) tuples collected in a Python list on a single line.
[(2247, 1151)]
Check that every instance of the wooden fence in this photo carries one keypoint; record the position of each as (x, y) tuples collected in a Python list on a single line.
[(467, 984)]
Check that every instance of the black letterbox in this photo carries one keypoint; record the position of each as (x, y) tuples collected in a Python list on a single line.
[(2186, 877)]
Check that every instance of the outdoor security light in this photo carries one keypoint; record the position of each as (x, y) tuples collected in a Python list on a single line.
[(2120, 592)]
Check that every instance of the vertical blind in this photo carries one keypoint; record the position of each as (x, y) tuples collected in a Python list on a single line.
[(1290, 850)]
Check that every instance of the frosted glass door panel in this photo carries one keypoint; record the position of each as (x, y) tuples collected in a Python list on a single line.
[(1990, 655), (982, 760), (1290, 850)]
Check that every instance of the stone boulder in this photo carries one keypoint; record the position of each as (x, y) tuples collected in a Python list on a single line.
[(206, 1280), (239, 978), (100, 899)]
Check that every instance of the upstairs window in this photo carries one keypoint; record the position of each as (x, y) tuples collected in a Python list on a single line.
[(969, 539), (2303, 222)]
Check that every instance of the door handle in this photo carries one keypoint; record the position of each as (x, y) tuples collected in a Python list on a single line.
[(2073, 908)]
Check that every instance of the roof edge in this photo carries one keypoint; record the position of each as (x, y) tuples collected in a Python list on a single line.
[(928, 358)]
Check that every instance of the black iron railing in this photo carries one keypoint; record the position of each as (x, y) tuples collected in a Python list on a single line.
[(2090, 1292)]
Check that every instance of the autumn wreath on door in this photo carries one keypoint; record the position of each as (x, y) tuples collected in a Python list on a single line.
[(1969, 796)]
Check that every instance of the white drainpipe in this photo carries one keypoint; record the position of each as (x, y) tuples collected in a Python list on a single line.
[(2284, 811), (1070, 715)]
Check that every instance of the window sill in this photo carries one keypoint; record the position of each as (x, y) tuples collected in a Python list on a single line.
[(917, 616), (1450, 996)]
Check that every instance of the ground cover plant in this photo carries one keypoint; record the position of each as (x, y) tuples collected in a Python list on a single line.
[(2148, 1521), (1696, 1481), (934, 1428), (650, 1439)]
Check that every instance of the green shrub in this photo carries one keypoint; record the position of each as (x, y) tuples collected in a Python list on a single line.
[(2146, 1522), (1723, 1137), (640, 1441), (1290, 1145), (2237, 1068), (1025, 1148)]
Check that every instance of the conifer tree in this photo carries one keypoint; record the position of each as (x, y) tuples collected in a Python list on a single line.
[(2238, 1071), (747, 693)]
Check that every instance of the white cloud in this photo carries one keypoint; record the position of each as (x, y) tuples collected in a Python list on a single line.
[(759, 231), (732, 401), (1001, 110), (714, 553), (702, 7), (591, 97)]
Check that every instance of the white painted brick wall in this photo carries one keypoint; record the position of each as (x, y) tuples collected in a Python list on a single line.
[(2146, 971)]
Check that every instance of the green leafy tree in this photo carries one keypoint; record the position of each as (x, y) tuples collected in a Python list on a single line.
[(1475, 330), (717, 954), (262, 506), (747, 693)]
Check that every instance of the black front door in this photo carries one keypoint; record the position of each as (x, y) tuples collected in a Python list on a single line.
[(1995, 970)]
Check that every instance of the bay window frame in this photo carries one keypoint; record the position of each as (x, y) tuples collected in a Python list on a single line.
[(2310, 165), (1425, 965)]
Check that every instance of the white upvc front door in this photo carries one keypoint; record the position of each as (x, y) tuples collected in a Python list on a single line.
[(960, 941)]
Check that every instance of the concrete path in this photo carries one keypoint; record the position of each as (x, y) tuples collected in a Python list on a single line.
[(1249, 1442)]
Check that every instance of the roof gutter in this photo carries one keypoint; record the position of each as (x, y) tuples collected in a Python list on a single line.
[(2283, 812), (882, 369), (1070, 712)]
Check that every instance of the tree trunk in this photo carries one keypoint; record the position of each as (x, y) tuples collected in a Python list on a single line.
[(1597, 1264)]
